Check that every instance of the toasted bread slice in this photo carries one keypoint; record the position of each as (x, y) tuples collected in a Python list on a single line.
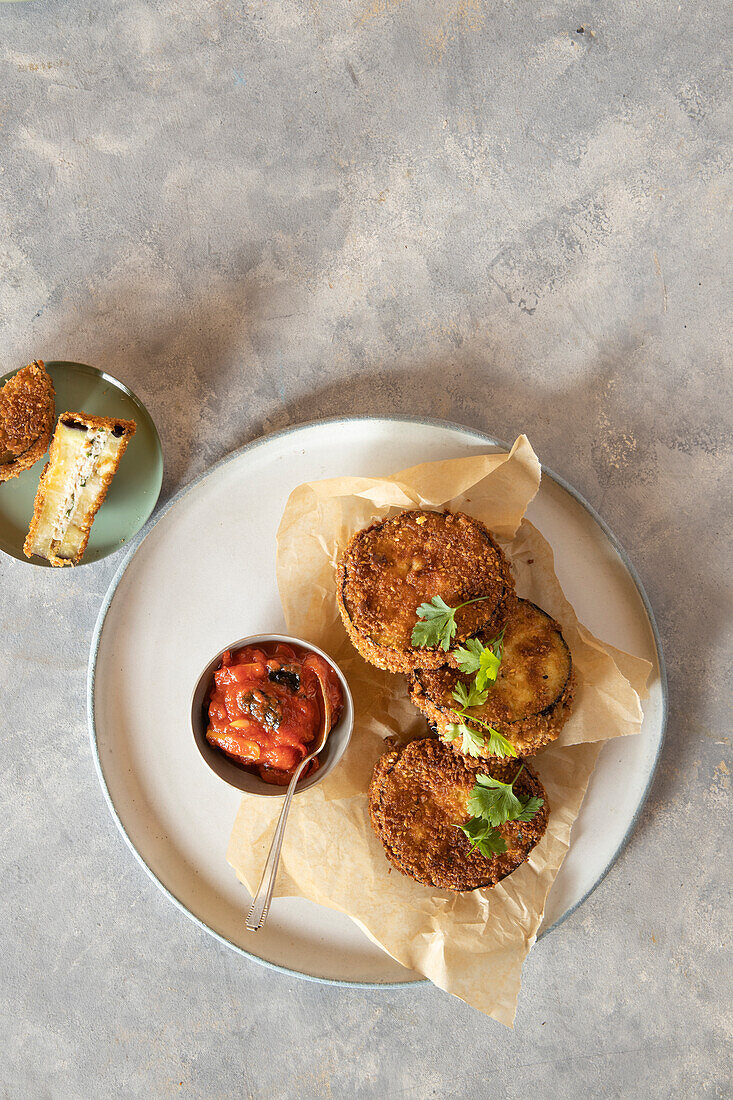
[(85, 453), (26, 419)]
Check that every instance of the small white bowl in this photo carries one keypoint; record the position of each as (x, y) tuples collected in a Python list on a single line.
[(241, 778)]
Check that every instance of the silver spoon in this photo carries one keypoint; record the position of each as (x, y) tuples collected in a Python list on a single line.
[(261, 902)]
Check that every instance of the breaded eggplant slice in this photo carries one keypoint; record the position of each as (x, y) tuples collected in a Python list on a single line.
[(389, 569), (26, 419), (417, 797), (532, 697)]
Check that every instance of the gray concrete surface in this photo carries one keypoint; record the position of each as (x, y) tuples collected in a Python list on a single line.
[(257, 213)]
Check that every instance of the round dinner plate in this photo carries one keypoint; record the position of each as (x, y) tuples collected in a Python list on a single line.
[(134, 491), (204, 572)]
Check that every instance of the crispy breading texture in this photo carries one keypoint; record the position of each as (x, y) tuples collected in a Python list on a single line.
[(26, 419), (532, 697), (124, 431), (126, 427), (388, 569), (418, 795)]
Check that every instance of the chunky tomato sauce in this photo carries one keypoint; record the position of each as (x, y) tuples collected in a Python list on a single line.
[(265, 707)]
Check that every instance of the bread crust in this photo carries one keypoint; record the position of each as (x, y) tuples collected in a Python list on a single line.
[(26, 419), (419, 794), (128, 428), (108, 422), (430, 690), (392, 566)]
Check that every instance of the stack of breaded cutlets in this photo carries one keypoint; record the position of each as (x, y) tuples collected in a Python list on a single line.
[(491, 672)]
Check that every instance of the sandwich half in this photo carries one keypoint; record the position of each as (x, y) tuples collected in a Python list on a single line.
[(84, 456)]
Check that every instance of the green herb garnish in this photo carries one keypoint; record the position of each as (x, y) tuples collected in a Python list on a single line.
[(494, 800), (497, 744), (483, 836), (473, 742), (469, 697), (436, 624), (492, 803), (483, 661), (530, 809)]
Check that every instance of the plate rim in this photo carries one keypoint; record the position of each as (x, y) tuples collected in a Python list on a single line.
[(291, 429), (102, 374)]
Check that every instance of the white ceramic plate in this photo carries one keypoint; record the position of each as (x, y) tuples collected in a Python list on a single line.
[(203, 572)]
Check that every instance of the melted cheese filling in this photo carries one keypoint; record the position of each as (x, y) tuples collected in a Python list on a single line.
[(84, 469)]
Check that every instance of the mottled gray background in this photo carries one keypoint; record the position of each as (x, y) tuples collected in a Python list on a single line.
[(508, 214)]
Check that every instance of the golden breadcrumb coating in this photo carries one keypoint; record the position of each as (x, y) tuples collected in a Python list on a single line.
[(390, 568), (26, 419), (418, 795)]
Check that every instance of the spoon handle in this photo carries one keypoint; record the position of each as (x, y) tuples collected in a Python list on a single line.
[(261, 902)]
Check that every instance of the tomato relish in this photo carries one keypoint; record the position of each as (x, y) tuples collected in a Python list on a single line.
[(266, 708)]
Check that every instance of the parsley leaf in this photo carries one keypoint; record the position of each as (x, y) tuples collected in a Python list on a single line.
[(466, 698), (530, 809), (475, 828), (472, 743), (468, 657), (482, 836), (492, 803), (469, 697), (436, 625), (483, 661), (498, 744), (493, 844), (496, 801), (489, 669)]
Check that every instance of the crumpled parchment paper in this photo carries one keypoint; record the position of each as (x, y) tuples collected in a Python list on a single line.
[(473, 945)]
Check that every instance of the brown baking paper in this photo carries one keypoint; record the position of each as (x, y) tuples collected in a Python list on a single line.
[(474, 944)]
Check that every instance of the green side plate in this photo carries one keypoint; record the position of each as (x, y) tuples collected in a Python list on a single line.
[(136, 486)]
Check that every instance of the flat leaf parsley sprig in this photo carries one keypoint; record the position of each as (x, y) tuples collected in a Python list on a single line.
[(436, 625), (492, 803), (473, 743), (483, 660)]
